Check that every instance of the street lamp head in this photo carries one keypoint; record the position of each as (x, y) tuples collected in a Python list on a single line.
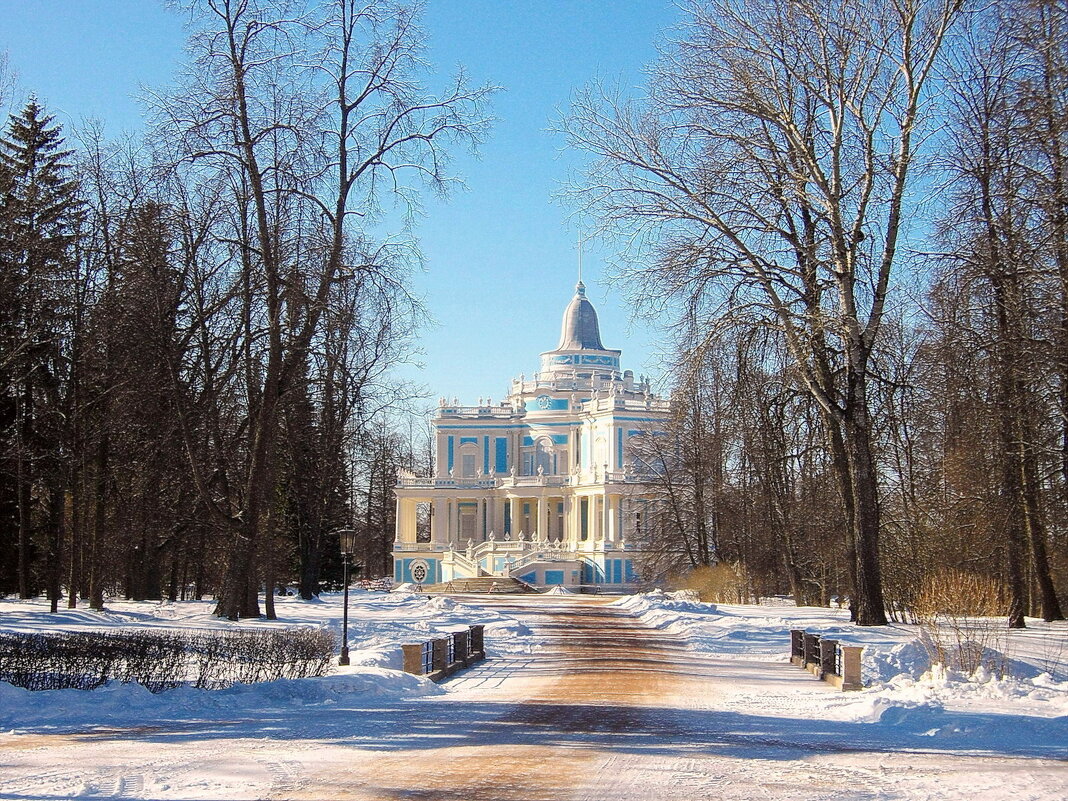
[(347, 537)]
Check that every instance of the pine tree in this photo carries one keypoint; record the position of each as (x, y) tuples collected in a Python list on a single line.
[(39, 218)]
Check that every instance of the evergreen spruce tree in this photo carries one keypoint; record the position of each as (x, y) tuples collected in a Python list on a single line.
[(39, 218)]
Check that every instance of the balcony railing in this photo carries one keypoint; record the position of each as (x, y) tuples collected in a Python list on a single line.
[(508, 481), (442, 547), (476, 412), (426, 482), (624, 404)]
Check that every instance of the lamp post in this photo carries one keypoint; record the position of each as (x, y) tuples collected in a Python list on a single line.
[(347, 538)]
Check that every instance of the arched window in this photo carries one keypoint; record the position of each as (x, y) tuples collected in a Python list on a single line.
[(468, 460), (600, 452), (546, 457), (543, 454)]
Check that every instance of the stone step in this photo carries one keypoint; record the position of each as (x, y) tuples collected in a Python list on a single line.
[(487, 584)]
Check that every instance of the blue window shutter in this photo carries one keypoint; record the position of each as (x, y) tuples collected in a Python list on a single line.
[(502, 455)]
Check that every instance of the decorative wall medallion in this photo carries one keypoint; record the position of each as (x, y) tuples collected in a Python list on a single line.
[(420, 570)]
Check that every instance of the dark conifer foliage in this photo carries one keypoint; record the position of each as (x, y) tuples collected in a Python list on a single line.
[(39, 219)]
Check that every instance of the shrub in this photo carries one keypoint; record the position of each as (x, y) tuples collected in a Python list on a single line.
[(161, 660), (246, 657), (964, 617), (721, 583)]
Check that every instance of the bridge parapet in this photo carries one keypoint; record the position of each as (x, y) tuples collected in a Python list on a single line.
[(441, 657), (827, 659)]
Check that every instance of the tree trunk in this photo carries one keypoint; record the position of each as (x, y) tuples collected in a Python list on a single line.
[(310, 568), (234, 602), (844, 481), (1049, 606), (269, 587), (1005, 295), (74, 577), (56, 499), (100, 472), (868, 601), (25, 497)]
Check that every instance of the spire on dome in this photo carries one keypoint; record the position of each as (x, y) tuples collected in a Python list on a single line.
[(580, 330)]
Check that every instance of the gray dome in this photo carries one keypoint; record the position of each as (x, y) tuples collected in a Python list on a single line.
[(580, 330)]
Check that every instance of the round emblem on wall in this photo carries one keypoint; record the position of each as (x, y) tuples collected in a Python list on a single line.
[(544, 401), (420, 570)]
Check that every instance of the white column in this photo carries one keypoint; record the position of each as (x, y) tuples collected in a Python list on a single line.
[(439, 523), (613, 516), (566, 529), (409, 517), (543, 519)]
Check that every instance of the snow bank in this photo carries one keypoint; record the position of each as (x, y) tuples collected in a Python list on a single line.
[(378, 625), (902, 688), (730, 630), (939, 687), (119, 704)]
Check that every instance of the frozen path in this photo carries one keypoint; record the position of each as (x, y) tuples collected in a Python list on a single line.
[(607, 709)]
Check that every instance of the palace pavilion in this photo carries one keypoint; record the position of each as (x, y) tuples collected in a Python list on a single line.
[(542, 487)]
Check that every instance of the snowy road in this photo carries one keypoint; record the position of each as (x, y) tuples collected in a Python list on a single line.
[(606, 709)]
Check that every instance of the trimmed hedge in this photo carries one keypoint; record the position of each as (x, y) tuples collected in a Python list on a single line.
[(162, 660)]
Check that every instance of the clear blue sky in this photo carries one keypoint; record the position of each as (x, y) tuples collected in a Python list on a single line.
[(501, 256)]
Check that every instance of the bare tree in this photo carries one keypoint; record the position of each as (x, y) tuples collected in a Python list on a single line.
[(772, 160), (314, 120), (995, 228)]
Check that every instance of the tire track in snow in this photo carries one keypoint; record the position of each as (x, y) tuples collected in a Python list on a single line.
[(112, 783), (287, 776)]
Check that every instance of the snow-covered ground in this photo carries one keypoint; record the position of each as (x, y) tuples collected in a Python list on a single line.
[(904, 710), (378, 624), (1024, 711)]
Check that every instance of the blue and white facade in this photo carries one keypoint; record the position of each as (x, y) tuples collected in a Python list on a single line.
[(542, 486)]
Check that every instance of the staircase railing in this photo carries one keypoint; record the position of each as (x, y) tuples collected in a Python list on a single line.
[(461, 561), (511, 567)]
